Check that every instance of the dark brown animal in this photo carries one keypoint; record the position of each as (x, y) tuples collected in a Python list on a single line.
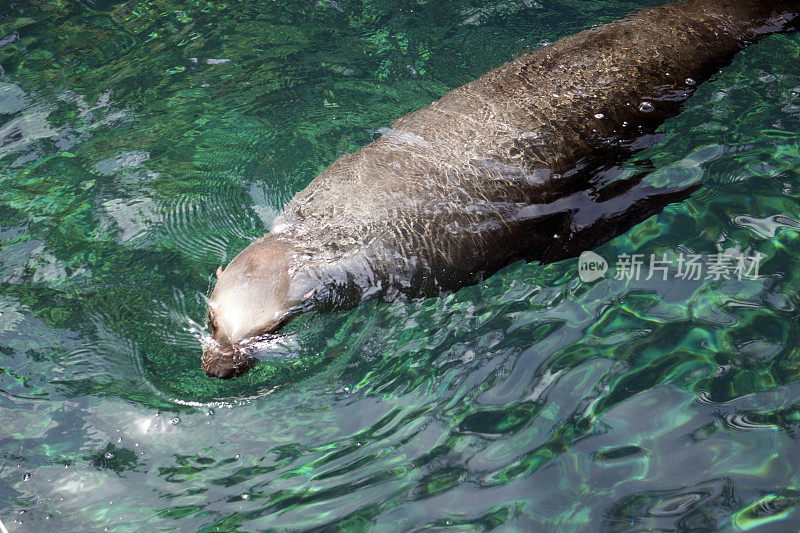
[(508, 166)]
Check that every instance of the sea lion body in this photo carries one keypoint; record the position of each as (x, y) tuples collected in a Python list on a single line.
[(499, 169)]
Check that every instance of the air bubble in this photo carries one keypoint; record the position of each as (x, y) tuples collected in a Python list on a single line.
[(646, 107)]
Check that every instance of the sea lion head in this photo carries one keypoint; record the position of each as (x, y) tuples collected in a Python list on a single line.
[(253, 297)]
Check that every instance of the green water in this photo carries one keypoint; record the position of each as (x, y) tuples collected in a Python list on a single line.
[(144, 143)]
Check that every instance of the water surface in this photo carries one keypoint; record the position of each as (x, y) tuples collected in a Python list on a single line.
[(144, 143)]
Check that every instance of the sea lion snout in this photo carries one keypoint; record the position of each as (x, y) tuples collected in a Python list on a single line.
[(252, 297), (225, 362)]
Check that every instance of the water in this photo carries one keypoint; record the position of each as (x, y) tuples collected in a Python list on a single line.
[(145, 143)]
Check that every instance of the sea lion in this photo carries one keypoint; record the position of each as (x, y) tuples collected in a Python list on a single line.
[(508, 166)]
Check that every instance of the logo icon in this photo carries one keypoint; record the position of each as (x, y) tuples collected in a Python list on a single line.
[(591, 267)]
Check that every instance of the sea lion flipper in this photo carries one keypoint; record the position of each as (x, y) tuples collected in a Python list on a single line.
[(601, 221)]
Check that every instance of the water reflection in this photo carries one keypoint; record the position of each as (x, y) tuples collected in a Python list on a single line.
[(531, 401)]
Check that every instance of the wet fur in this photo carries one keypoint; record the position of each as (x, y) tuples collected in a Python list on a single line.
[(508, 166)]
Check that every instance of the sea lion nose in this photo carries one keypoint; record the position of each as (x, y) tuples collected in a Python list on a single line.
[(225, 364), (222, 371)]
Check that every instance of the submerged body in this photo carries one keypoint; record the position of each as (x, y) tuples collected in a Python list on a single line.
[(506, 167)]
